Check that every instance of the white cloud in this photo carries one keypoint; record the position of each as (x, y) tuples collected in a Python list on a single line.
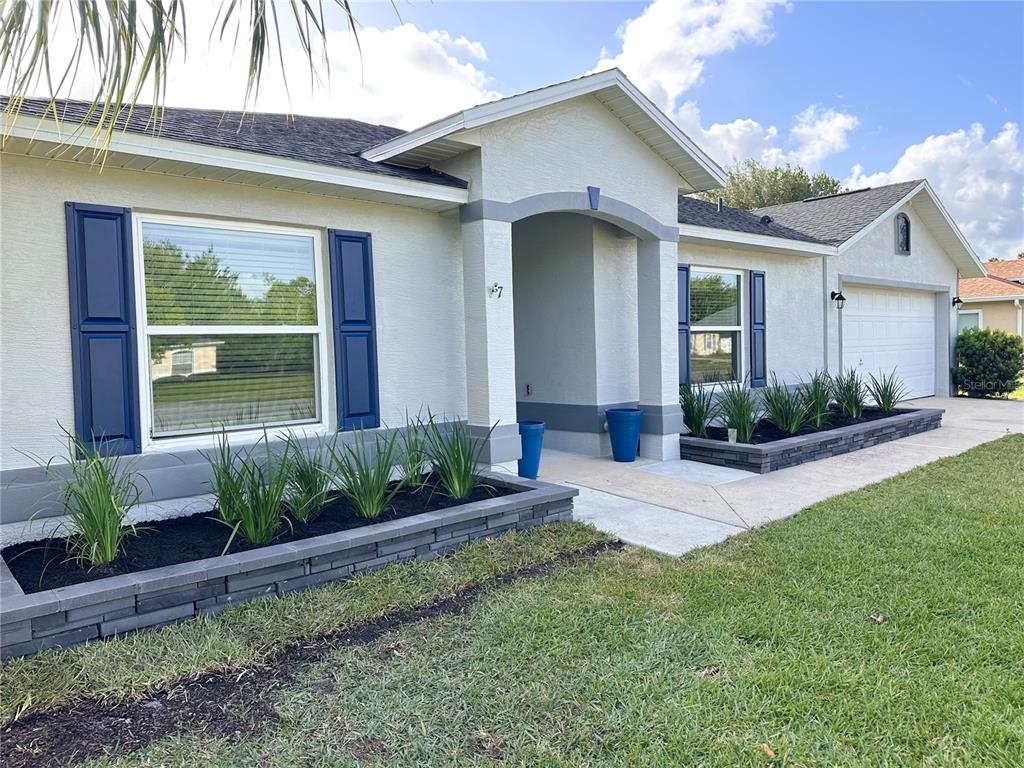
[(663, 49), (980, 182), (404, 76), (815, 134)]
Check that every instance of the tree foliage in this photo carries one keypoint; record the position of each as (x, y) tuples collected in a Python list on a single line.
[(753, 185), (130, 46)]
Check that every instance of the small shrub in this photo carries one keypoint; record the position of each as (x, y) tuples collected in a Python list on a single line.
[(850, 393), (227, 481), (886, 390), (699, 407), (783, 407), (413, 456), (98, 494), (816, 394), (739, 410), (454, 457), (309, 481), (364, 472), (250, 491), (989, 362)]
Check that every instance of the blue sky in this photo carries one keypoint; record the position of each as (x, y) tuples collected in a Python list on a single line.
[(871, 92), (907, 70)]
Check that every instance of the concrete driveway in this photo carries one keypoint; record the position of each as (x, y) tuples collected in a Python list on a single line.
[(676, 506)]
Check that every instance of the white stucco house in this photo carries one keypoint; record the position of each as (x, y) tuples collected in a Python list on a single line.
[(535, 257)]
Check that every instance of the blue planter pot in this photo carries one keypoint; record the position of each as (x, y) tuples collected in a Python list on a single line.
[(531, 434), (624, 431)]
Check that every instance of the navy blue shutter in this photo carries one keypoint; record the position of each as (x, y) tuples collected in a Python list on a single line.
[(758, 364), (103, 339), (683, 288), (355, 337)]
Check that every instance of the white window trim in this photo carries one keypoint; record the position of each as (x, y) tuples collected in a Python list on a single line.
[(741, 329), (977, 312), (243, 436)]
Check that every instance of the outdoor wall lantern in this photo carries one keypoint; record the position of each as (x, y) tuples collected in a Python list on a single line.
[(957, 301), (838, 298)]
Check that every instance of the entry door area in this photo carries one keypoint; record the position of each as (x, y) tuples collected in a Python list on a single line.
[(885, 328)]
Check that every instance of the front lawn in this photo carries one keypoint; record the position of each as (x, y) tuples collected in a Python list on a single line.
[(1018, 393), (881, 627)]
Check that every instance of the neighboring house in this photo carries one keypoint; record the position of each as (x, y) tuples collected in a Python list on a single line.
[(996, 300), (535, 257)]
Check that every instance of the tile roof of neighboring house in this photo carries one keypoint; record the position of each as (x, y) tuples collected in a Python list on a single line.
[(828, 220), (989, 288), (324, 140), (1011, 269)]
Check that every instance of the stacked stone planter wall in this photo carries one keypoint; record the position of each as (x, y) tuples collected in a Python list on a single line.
[(767, 457), (67, 616)]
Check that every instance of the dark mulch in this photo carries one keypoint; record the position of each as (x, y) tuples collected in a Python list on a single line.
[(766, 432), (44, 565), (232, 703)]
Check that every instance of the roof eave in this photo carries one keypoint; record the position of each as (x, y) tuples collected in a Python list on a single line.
[(712, 236), (66, 141)]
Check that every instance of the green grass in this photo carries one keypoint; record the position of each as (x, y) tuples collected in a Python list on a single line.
[(879, 628), (246, 634), (1018, 393)]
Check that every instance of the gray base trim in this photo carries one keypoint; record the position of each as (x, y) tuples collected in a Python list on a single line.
[(59, 618), (568, 417), (617, 212), (768, 457), (662, 420), (503, 444)]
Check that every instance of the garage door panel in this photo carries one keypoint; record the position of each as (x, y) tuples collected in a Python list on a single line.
[(886, 329)]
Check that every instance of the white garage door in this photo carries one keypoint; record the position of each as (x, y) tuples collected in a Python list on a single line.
[(885, 328)]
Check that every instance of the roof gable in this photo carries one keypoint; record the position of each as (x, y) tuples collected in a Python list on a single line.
[(839, 220), (834, 219), (453, 135)]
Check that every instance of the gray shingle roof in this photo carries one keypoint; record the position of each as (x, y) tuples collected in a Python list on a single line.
[(837, 218), (830, 220), (328, 141), (703, 214)]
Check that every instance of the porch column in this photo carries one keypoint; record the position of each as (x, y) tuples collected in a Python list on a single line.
[(658, 349), (490, 337)]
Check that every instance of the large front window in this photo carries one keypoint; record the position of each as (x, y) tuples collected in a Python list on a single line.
[(715, 326), (233, 326)]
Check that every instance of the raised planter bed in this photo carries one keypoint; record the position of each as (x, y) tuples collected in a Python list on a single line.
[(70, 615), (791, 451)]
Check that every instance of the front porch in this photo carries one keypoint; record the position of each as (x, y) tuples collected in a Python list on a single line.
[(570, 309)]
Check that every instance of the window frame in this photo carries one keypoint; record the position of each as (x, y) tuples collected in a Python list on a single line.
[(896, 234), (741, 329), (977, 312), (321, 331)]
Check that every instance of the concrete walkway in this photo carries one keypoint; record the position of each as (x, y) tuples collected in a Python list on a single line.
[(676, 506)]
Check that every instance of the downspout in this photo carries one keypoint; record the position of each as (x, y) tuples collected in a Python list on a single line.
[(1020, 317)]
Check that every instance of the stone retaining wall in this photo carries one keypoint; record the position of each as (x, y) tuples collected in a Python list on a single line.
[(59, 618), (791, 451)]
